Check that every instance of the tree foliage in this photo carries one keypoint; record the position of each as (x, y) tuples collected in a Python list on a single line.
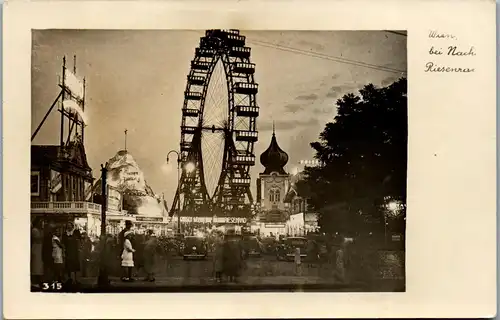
[(364, 157)]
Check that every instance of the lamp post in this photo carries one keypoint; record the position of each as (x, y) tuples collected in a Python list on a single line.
[(178, 186), (103, 272)]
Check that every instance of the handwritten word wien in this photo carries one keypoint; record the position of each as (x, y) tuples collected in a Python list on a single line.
[(451, 51), (439, 35)]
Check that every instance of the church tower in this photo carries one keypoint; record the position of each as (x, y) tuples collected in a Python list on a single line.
[(273, 183)]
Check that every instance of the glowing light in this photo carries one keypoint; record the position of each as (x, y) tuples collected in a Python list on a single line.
[(199, 234), (189, 167), (72, 105), (74, 84), (392, 206)]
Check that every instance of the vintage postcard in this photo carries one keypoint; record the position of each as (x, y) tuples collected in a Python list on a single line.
[(325, 154)]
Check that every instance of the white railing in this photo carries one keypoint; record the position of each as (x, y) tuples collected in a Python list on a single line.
[(65, 206)]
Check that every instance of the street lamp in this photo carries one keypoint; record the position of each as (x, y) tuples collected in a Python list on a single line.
[(392, 206), (178, 185), (190, 167), (392, 210), (103, 278)]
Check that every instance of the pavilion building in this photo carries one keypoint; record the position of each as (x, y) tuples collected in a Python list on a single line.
[(272, 186)]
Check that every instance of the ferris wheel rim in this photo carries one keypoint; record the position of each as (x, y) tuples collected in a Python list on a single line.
[(222, 56)]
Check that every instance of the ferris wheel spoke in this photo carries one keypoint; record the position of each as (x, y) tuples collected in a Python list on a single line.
[(217, 95), (212, 147), (221, 97)]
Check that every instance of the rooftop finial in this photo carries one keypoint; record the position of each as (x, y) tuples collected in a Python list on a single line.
[(126, 139), (274, 131)]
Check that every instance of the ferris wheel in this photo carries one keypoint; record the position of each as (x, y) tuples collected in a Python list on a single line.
[(218, 129)]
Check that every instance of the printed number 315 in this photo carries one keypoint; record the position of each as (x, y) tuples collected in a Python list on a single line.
[(53, 286)]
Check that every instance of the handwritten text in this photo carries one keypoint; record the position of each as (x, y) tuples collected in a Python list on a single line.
[(451, 50)]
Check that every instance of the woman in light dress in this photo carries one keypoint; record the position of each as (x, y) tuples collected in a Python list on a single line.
[(128, 256), (149, 260), (58, 255)]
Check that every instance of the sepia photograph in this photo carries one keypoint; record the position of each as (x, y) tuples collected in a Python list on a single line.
[(233, 160), (218, 160)]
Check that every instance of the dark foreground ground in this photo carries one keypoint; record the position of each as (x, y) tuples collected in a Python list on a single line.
[(261, 274)]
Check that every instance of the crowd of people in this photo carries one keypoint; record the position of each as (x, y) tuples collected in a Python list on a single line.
[(58, 253), (64, 254)]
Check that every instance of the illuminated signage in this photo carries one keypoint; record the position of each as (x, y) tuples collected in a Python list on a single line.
[(73, 85), (267, 225), (114, 199), (148, 219), (55, 181), (88, 190), (214, 220), (197, 219), (229, 220)]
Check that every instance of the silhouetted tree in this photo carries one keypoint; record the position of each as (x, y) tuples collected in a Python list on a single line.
[(364, 158)]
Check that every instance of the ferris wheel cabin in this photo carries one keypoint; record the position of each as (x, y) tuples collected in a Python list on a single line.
[(188, 129), (240, 52), (193, 95), (190, 112), (243, 67), (248, 136), (236, 40), (200, 65), (196, 80), (220, 33), (242, 182), (205, 53), (247, 111), (242, 159), (246, 88)]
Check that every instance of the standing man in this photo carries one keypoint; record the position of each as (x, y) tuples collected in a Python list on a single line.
[(150, 251), (71, 239)]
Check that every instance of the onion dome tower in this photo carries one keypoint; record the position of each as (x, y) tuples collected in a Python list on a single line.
[(274, 158)]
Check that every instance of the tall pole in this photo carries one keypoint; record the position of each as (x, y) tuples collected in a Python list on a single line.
[(179, 200), (62, 104), (104, 194), (103, 272), (385, 229), (126, 139), (45, 117), (83, 107), (178, 186)]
